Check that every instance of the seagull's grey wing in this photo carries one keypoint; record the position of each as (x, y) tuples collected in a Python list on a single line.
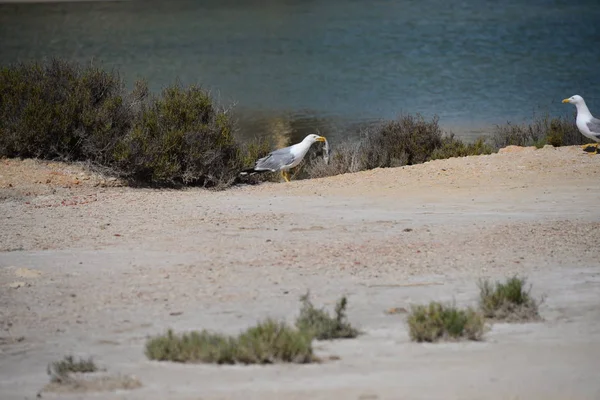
[(275, 160), (594, 127)]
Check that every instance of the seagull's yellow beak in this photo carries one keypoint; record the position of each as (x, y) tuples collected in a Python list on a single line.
[(566, 101), (321, 139)]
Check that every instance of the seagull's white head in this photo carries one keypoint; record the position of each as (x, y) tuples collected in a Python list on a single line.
[(313, 138), (577, 99)]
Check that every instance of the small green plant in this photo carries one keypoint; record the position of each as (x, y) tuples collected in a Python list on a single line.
[(508, 301), (436, 321), (267, 342), (320, 325), (59, 371)]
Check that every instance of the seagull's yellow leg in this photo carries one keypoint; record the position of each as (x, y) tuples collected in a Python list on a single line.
[(588, 145), (297, 170), (285, 176)]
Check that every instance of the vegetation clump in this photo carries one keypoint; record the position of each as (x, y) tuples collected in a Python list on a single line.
[(556, 131), (452, 147), (62, 110), (59, 371), (180, 137), (508, 301), (408, 140), (266, 343), (436, 322), (320, 325)]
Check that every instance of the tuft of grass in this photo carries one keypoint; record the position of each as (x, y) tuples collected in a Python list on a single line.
[(204, 347), (542, 130), (320, 325), (508, 301), (271, 341), (436, 321), (59, 371), (267, 342)]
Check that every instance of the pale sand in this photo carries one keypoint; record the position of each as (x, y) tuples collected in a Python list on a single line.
[(196, 259)]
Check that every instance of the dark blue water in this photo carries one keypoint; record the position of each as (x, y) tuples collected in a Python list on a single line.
[(325, 63)]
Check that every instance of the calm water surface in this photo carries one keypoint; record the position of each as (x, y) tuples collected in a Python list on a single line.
[(296, 65)]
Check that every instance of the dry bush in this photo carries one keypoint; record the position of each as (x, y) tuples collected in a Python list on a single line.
[(508, 301), (406, 141), (436, 321), (452, 147), (320, 325), (267, 342), (59, 371), (542, 130)]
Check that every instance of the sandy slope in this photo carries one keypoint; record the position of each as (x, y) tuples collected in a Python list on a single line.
[(92, 269)]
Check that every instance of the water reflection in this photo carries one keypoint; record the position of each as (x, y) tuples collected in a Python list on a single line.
[(287, 128)]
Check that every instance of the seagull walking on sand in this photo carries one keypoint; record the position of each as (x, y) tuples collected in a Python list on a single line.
[(284, 159), (586, 123)]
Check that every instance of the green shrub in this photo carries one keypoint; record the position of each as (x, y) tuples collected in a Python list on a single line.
[(406, 141), (202, 346), (180, 137), (59, 371), (320, 325), (557, 131), (508, 301), (437, 322), (271, 342), (61, 110), (267, 342)]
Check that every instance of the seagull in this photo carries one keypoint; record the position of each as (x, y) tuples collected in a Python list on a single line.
[(285, 158), (586, 123)]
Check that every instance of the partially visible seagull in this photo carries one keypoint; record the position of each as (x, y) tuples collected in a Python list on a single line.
[(284, 159), (586, 123)]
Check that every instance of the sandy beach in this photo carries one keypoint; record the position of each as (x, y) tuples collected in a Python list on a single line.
[(91, 268)]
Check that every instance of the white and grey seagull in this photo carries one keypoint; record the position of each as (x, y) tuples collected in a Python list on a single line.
[(284, 159), (586, 123)]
